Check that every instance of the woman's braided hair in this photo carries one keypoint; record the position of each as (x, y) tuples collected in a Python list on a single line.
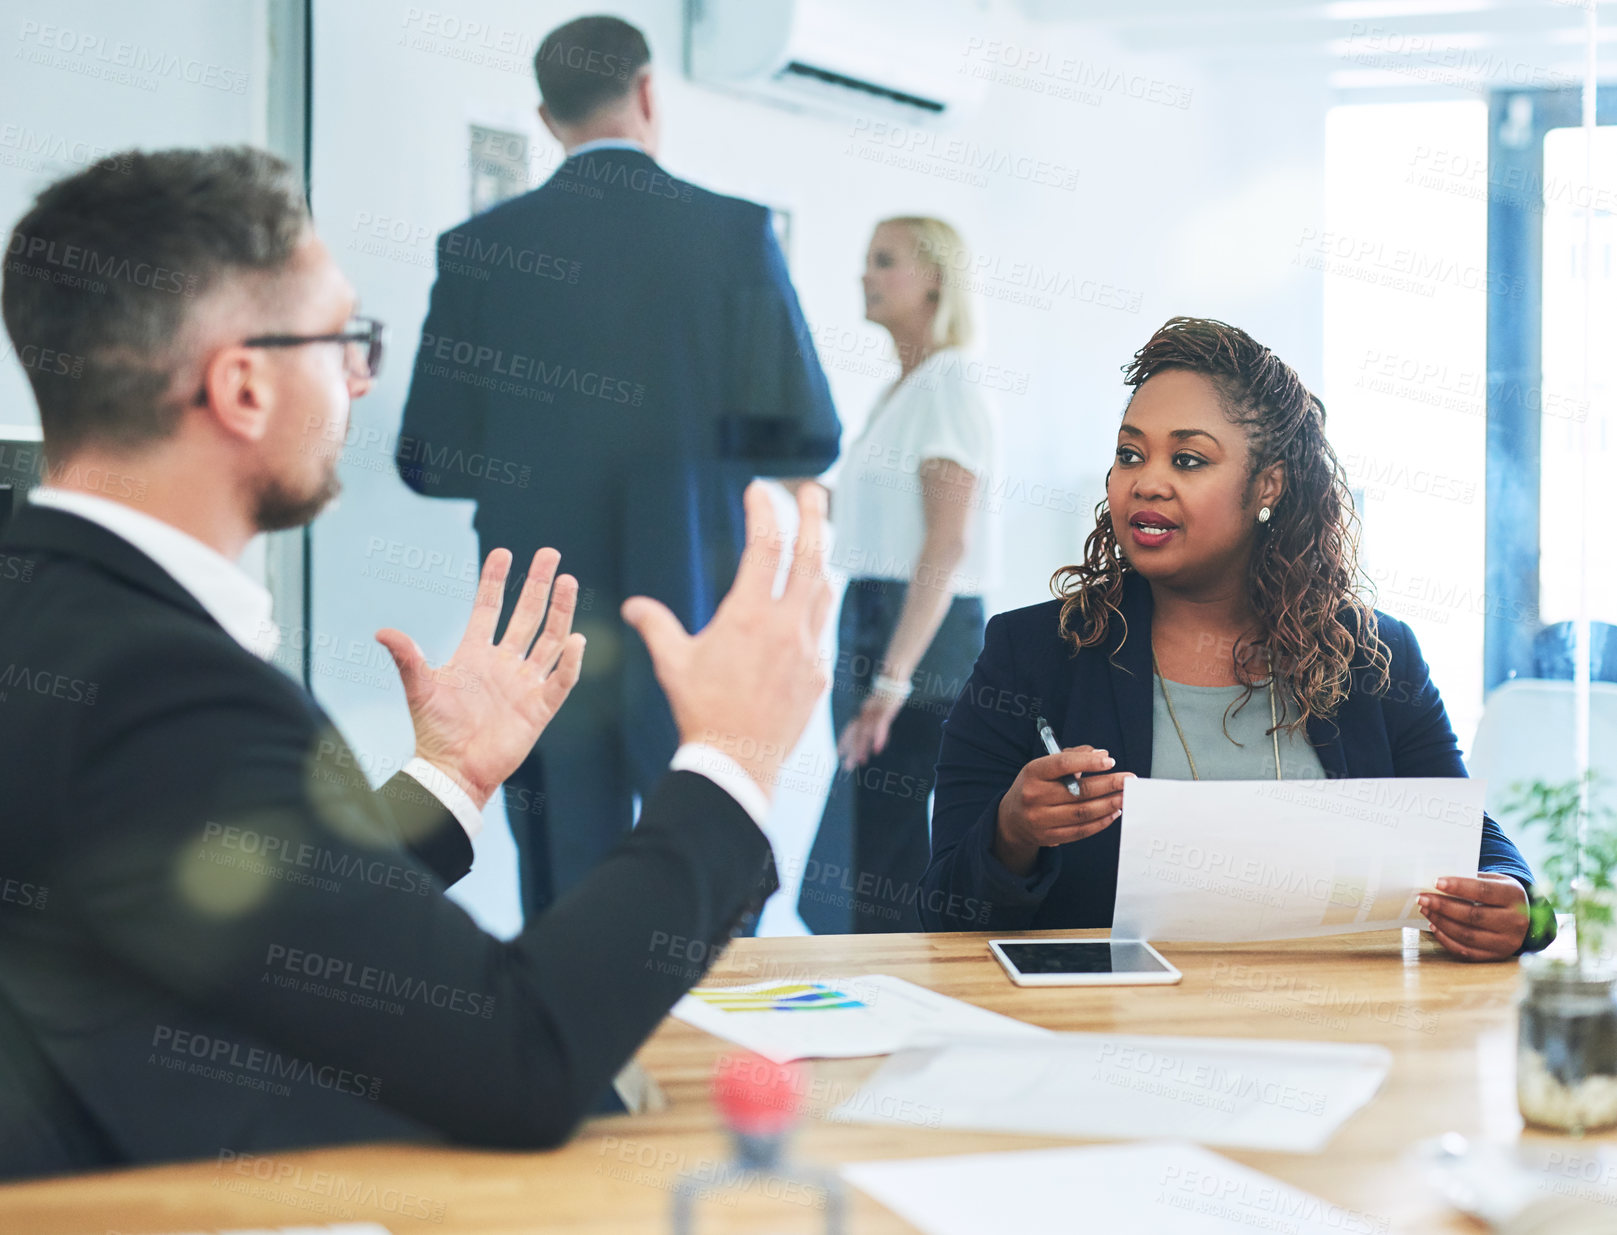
[(1304, 579)]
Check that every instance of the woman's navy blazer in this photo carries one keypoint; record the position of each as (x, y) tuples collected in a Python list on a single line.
[(1102, 697)]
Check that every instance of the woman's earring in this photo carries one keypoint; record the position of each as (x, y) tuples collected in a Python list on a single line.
[(1263, 515)]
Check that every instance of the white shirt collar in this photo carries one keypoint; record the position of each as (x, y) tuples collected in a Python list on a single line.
[(230, 595), (606, 143)]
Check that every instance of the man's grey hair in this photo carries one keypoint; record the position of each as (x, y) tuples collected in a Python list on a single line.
[(103, 274)]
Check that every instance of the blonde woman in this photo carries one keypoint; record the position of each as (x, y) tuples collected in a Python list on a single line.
[(914, 534)]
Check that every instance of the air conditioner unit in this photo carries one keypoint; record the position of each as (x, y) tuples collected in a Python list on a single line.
[(899, 59)]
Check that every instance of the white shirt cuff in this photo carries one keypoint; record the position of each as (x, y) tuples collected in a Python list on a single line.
[(455, 799), (726, 773)]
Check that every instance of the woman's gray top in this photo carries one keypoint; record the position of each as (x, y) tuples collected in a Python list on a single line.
[(1201, 713)]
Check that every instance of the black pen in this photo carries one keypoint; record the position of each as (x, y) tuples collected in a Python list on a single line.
[(1048, 737)]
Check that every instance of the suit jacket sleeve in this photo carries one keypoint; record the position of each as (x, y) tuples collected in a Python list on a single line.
[(778, 419), (254, 856), (986, 742), (1423, 744), (443, 413), (427, 828)]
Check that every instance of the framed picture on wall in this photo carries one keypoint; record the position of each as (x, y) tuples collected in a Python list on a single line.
[(497, 160)]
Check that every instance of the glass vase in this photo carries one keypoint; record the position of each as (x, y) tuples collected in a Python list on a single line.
[(1566, 1046)]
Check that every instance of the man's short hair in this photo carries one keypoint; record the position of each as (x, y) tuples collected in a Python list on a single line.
[(587, 64), (103, 273)]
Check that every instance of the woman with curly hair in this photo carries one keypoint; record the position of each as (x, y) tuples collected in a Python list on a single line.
[(1213, 631)]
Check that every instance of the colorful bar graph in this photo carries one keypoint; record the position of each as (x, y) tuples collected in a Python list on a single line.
[(790, 997)]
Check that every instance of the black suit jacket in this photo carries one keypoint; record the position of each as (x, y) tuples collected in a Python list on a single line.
[(214, 935), (606, 362)]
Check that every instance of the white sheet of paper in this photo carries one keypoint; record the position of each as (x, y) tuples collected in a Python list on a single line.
[(1235, 861), (839, 1018), (1247, 1093), (1164, 1188)]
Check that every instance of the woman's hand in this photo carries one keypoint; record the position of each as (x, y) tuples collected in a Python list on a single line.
[(866, 734), (1038, 810), (1480, 919)]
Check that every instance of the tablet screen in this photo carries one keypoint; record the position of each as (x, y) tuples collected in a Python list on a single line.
[(1097, 956)]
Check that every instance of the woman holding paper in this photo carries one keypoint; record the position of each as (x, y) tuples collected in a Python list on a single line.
[(1213, 631)]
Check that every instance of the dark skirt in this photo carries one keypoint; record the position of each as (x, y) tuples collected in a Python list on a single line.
[(874, 841)]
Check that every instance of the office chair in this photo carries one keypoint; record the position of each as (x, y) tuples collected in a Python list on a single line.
[(1555, 647), (1526, 734)]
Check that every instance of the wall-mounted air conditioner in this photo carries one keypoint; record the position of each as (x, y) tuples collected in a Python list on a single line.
[(904, 59)]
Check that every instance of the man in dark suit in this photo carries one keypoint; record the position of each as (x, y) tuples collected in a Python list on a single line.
[(214, 935), (606, 362)]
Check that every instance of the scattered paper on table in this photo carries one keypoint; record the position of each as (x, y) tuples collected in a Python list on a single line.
[(839, 1018), (1242, 860), (1165, 1188), (1247, 1093)]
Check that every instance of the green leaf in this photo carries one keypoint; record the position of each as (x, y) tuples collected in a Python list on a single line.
[(1579, 871)]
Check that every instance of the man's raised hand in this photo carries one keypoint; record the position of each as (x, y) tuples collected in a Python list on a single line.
[(748, 682), (478, 715)]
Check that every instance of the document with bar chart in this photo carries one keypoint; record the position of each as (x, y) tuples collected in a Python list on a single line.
[(788, 997), (839, 1018)]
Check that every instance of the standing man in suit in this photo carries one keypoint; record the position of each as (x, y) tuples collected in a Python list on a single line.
[(606, 363), (213, 934)]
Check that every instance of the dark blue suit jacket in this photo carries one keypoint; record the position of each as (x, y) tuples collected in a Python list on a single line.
[(1027, 668), (605, 364)]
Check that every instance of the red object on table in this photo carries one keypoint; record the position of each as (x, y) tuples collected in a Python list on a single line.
[(758, 1097)]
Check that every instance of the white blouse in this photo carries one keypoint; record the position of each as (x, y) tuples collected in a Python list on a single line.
[(937, 412)]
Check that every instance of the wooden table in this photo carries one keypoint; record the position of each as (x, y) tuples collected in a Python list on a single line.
[(1450, 1027)]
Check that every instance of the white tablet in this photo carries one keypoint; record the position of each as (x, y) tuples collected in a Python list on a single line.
[(1082, 962)]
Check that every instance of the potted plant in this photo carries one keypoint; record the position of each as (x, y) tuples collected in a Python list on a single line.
[(1566, 1054)]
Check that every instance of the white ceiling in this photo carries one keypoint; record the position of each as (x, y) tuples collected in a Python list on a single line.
[(1392, 47)]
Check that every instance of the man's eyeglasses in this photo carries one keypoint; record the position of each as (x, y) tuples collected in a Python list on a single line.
[(362, 348), (362, 342)]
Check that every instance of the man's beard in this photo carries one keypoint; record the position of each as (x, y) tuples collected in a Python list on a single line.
[(279, 507)]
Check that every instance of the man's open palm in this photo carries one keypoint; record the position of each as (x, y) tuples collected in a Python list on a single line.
[(478, 715)]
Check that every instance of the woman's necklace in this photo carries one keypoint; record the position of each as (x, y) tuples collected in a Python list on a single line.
[(1274, 722)]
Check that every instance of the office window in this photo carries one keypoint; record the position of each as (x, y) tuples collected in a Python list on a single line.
[(1567, 195), (1404, 255)]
